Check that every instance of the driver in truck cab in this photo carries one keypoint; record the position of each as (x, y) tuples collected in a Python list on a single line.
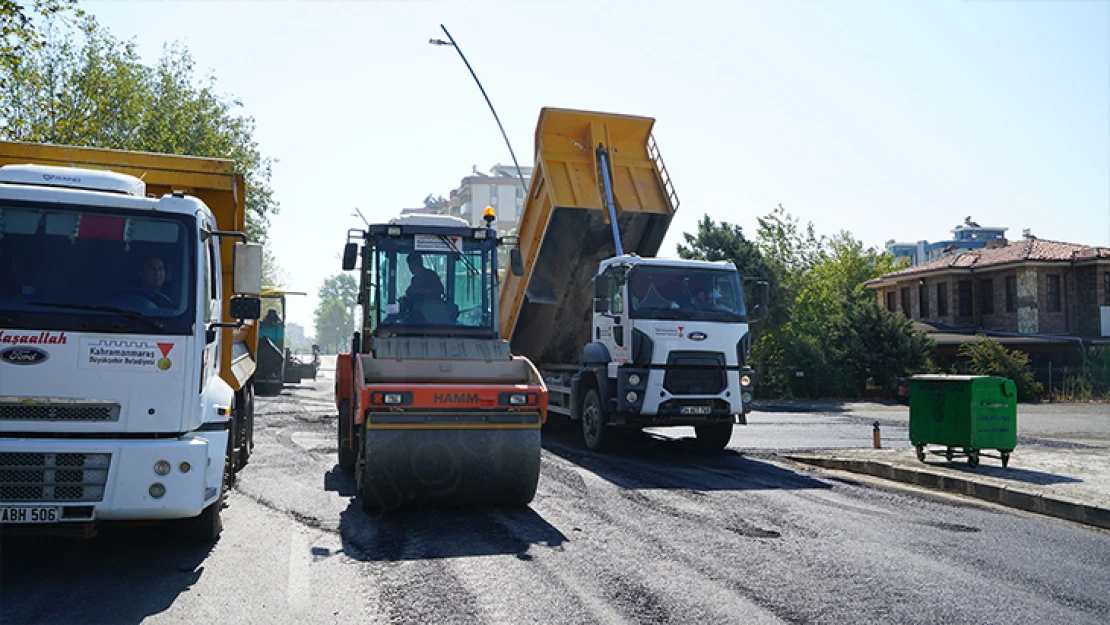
[(425, 286), (152, 279)]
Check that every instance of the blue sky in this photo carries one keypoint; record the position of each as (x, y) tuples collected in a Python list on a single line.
[(892, 119)]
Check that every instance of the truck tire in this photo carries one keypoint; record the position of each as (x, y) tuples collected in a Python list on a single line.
[(207, 526), (246, 433), (714, 437), (595, 432), (348, 451)]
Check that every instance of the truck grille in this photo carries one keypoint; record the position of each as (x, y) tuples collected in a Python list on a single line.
[(53, 477), (57, 410), (695, 373)]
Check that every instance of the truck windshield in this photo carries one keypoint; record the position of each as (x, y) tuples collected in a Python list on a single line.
[(685, 293), (433, 282), (95, 270)]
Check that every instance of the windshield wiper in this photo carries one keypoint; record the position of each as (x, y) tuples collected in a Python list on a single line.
[(471, 269), (123, 312)]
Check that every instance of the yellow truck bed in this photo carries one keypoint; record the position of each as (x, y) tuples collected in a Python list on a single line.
[(546, 314), (212, 180)]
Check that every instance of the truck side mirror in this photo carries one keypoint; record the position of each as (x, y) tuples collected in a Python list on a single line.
[(516, 262), (246, 276), (762, 293), (762, 306), (601, 305), (350, 255), (245, 307)]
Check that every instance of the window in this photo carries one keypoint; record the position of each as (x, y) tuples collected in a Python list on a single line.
[(942, 299), (965, 298), (1052, 292), (986, 294), (923, 300), (427, 282), (89, 270), (681, 294), (890, 300), (906, 302), (1106, 289), (1011, 293)]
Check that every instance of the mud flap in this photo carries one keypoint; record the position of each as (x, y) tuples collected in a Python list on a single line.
[(449, 467)]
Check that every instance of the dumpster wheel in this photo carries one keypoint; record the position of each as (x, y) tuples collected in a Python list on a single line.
[(920, 452), (972, 458), (1005, 459)]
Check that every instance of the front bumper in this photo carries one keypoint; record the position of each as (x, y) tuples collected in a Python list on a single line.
[(656, 405), (111, 479)]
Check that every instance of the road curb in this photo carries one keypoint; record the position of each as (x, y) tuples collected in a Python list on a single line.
[(1002, 494)]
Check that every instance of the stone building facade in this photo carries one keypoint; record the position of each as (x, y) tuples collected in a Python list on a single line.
[(1030, 287)]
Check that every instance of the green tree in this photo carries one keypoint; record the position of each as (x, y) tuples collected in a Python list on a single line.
[(882, 346), (826, 334), (332, 325), (82, 86), (19, 34), (989, 357), (338, 297), (341, 286)]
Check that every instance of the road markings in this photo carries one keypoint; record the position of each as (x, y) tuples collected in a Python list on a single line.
[(300, 559)]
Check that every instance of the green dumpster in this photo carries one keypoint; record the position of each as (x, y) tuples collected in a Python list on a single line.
[(967, 414)]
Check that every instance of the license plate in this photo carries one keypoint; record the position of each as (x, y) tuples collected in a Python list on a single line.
[(697, 410), (29, 515)]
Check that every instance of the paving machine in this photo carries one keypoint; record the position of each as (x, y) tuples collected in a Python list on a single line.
[(277, 365), (432, 406)]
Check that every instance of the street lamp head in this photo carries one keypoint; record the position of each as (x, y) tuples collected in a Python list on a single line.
[(439, 42)]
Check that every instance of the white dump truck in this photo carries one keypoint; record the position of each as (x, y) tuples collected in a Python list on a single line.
[(125, 360)]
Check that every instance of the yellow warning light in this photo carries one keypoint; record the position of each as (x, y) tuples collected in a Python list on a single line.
[(489, 215)]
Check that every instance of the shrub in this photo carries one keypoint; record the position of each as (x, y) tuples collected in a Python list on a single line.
[(989, 357)]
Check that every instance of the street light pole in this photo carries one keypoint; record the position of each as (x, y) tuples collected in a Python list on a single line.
[(451, 42)]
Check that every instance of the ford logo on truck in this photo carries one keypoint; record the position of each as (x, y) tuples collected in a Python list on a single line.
[(698, 336), (23, 355)]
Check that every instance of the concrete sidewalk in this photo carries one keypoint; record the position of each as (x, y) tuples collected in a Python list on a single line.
[(1067, 481)]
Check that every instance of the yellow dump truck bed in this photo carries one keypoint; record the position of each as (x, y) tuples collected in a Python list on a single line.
[(546, 314), (212, 180)]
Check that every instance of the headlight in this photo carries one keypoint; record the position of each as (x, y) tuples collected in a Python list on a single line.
[(518, 399), (392, 398), (634, 379), (161, 467), (632, 397), (157, 490), (745, 380), (746, 398), (185, 467)]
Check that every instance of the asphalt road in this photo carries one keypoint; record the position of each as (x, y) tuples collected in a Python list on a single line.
[(655, 533)]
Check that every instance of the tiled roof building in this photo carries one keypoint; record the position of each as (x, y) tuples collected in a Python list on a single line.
[(1028, 291)]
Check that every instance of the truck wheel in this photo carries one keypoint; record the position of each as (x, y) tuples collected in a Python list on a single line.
[(246, 434), (207, 526), (714, 437), (348, 450), (595, 432)]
